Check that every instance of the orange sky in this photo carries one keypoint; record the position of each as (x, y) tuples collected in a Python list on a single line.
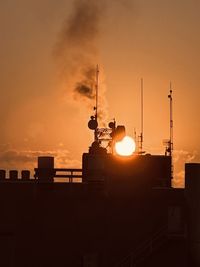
[(156, 40)]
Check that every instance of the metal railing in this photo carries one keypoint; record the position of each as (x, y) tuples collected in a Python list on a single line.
[(55, 174), (70, 174)]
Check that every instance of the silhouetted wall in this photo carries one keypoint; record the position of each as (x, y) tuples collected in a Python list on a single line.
[(72, 224)]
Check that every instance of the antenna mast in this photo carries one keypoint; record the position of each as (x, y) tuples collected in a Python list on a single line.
[(142, 120), (171, 127), (97, 91), (96, 107)]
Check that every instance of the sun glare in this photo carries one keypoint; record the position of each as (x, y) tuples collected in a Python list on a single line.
[(126, 147)]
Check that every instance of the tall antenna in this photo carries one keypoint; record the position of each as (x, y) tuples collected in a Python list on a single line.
[(142, 109), (96, 107), (97, 91), (171, 127), (141, 136)]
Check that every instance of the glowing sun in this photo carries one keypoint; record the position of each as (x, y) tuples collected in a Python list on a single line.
[(126, 147)]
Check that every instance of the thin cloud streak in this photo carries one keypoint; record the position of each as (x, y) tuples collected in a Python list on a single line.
[(27, 159)]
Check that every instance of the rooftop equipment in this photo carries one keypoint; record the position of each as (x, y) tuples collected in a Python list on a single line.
[(45, 170), (2, 174), (25, 175), (13, 175)]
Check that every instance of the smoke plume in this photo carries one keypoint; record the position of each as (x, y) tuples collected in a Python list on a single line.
[(86, 86), (77, 52)]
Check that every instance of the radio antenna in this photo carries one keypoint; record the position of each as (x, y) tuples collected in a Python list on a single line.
[(96, 106), (141, 136), (97, 91), (171, 144)]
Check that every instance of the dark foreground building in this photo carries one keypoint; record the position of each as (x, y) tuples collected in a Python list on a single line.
[(122, 212)]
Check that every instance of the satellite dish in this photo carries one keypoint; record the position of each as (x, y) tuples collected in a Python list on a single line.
[(92, 124), (111, 125)]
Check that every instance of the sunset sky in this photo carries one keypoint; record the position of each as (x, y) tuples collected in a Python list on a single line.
[(45, 47)]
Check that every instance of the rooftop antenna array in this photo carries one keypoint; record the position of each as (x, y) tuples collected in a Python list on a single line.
[(103, 136)]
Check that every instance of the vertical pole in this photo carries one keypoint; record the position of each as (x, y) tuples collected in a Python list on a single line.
[(96, 107), (97, 89), (141, 134), (141, 113), (171, 127)]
